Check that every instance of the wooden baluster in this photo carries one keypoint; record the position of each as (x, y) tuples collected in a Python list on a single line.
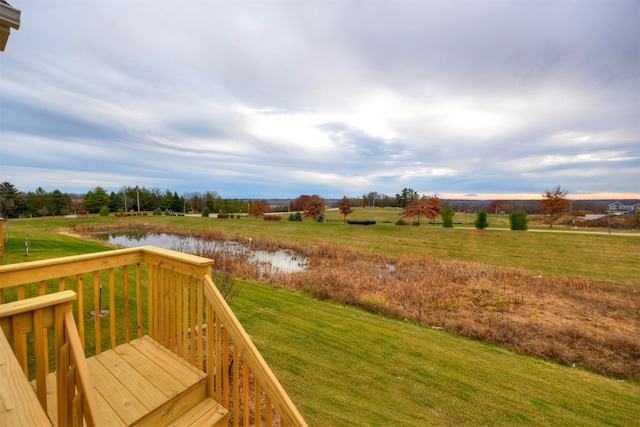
[(211, 369), (41, 350), (245, 389), (20, 343), (139, 301), (215, 335), (192, 338), (162, 311), (61, 285), (96, 310), (112, 308), (236, 385), (172, 312), (43, 288), (80, 316), (179, 316), (256, 401), (62, 364), (151, 301), (225, 367), (185, 318), (20, 292), (125, 305), (269, 411), (200, 309)]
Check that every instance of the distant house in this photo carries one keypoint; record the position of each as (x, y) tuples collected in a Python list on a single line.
[(618, 208)]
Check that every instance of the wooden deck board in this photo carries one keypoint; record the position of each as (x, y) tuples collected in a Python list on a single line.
[(206, 413), (19, 404), (125, 404), (140, 386), (150, 370), (183, 371)]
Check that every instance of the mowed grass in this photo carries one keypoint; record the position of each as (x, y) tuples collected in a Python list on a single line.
[(602, 258), (346, 367)]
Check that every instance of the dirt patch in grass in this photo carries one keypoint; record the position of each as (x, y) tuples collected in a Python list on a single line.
[(569, 320)]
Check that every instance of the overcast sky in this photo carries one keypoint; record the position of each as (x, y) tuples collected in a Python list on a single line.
[(273, 99)]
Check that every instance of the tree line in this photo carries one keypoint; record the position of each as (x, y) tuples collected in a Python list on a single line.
[(14, 203)]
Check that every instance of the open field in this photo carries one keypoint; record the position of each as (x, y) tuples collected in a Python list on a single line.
[(609, 259), (345, 367)]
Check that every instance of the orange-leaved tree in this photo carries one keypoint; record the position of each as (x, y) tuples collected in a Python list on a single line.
[(422, 206), (313, 207), (258, 208), (554, 202), (345, 207)]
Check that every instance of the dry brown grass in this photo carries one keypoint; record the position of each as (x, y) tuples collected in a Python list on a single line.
[(569, 320)]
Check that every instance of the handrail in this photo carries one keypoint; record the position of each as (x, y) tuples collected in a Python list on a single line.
[(171, 297), (76, 397), (247, 349)]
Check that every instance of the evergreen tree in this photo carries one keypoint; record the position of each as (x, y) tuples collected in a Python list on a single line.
[(481, 220), (177, 205), (96, 199), (117, 202), (447, 216), (8, 199), (519, 220), (406, 197), (61, 202)]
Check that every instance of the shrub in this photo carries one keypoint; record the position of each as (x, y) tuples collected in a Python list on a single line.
[(104, 211), (481, 220), (401, 222), (416, 223), (519, 220), (272, 217), (222, 215), (295, 217), (206, 212), (320, 218), (361, 222), (157, 211), (447, 216)]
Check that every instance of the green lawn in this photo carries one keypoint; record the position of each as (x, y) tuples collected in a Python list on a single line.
[(346, 367)]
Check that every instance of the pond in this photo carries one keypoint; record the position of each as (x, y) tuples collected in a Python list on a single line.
[(280, 261)]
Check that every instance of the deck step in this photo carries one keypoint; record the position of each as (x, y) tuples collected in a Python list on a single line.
[(207, 413), (141, 383)]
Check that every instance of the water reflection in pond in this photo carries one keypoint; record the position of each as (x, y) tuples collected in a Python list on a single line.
[(279, 261)]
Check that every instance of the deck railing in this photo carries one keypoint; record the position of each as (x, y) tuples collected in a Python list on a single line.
[(170, 296), (38, 318)]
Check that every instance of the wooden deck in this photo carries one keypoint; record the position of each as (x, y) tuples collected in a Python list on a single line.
[(161, 293), (141, 383)]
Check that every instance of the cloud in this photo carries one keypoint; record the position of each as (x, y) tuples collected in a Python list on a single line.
[(279, 98)]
